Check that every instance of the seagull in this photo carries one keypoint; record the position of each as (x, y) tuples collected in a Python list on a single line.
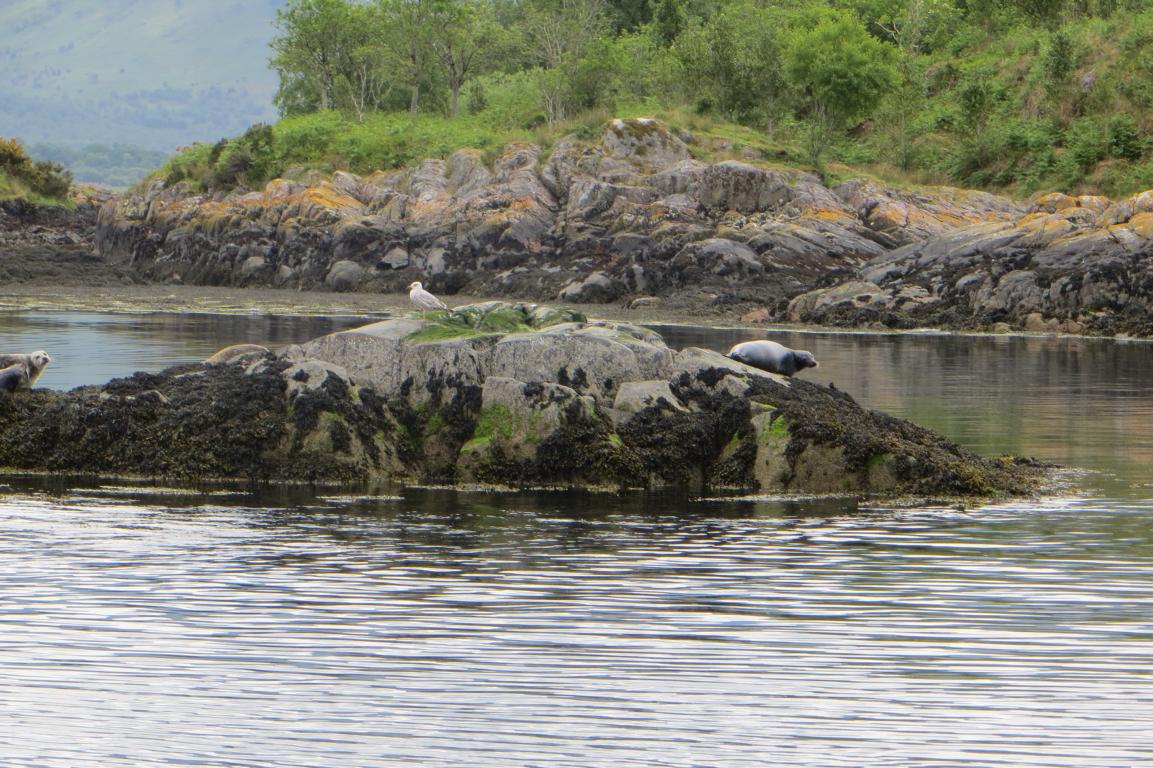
[(424, 300)]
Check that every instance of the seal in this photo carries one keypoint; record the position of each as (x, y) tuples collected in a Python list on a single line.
[(239, 354), (772, 357), (21, 371)]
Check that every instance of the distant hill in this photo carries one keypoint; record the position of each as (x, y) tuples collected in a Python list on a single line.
[(154, 74), (117, 165)]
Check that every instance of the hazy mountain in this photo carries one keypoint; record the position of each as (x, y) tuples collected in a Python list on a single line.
[(155, 74)]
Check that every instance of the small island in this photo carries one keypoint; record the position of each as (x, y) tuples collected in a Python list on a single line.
[(508, 394)]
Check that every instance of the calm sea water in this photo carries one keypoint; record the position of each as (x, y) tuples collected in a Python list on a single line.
[(157, 626)]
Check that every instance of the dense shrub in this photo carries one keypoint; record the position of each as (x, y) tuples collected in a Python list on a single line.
[(1012, 152), (1125, 140), (43, 178), (13, 158)]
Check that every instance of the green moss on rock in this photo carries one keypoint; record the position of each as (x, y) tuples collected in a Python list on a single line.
[(492, 422)]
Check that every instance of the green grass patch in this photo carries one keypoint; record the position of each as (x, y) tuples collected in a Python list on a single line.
[(494, 421), (472, 321), (445, 332), (880, 460)]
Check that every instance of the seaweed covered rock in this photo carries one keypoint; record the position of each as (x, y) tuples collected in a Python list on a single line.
[(556, 398), (498, 393), (269, 421), (541, 433)]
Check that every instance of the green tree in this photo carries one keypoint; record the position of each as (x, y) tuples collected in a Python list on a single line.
[(1059, 64), (563, 29), (366, 80), (1047, 13), (464, 35), (629, 15), (734, 61), (312, 41), (408, 44), (560, 33), (839, 73), (668, 21), (914, 27)]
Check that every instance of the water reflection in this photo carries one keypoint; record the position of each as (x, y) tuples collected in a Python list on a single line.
[(289, 626)]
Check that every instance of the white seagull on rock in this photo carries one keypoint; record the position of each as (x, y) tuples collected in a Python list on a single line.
[(424, 300)]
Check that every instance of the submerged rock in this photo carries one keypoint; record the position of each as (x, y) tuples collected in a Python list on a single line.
[(495, 393)]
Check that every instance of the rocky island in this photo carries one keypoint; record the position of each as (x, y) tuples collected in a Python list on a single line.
[(493, 393)]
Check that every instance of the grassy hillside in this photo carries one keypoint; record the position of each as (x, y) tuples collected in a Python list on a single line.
[(324, 142), (1033, 108), (1016, 96)]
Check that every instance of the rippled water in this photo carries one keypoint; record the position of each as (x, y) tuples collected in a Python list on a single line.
[(289, 628)]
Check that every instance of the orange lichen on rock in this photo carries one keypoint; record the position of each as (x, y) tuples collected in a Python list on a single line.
[(827, 214), (1142, 224), (1053, 202), (1058, 201), (325, 201), (1045, 230)]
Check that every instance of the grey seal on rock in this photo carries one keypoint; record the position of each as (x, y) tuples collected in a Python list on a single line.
[(773, 357), (21, 371)]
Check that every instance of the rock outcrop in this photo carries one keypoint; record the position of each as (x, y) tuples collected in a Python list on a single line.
[(633, 215), (635, 219), (1069, 264), (511, 394), (54, 244)]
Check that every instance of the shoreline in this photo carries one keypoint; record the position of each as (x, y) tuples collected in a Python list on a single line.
[(213, 300)]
